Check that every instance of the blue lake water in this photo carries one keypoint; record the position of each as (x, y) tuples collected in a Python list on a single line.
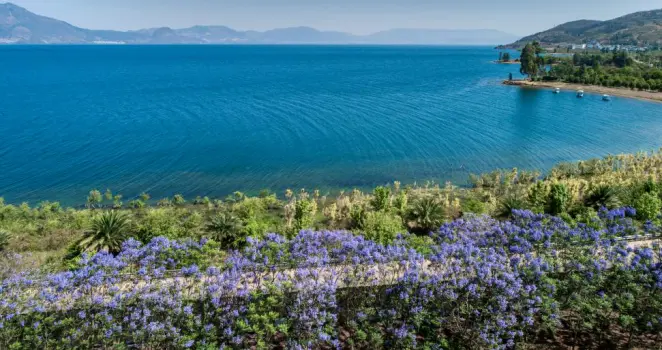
[(209, 120)]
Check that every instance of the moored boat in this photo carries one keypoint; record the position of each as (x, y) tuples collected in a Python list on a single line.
[(580, 93)]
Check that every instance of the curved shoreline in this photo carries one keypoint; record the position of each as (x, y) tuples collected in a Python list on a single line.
[(622, 92)]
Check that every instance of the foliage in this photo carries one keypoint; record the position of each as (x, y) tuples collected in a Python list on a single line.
[(648, 206), (530, 62), (225, 228), (107, 232), (426, 214), (559, 198), (4, 240), (382, 198), (94, 198), (381, 227), (483, 284)]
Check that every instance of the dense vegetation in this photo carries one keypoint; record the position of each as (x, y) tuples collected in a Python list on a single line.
[(615, 69), (639, 29), (178, 273)]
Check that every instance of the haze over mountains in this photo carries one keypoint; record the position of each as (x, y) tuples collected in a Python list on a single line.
[(20, 26)]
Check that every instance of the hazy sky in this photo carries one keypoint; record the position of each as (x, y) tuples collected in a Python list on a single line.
[(355, 16)]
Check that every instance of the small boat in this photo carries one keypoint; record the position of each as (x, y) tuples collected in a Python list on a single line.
[(580, 93), (557, 91), (606, 98)]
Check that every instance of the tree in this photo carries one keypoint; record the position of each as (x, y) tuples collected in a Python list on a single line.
[(225, 229), (94, 198), (107, 232), (529, 61), (427, 214), (505, 57), (178, 199)]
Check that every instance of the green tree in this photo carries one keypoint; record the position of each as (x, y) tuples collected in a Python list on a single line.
[(178, 199), (144, 197), (108, 195), (529, 60), (94, 198), (107, 232), (117, 201), (505, 57)]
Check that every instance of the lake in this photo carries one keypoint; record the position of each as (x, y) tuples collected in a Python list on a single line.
[(210, 120)]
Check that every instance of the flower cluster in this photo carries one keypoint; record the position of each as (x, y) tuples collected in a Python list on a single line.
[(487, 284)]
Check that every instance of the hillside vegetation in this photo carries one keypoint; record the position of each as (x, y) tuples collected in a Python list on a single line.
[(639, 29), (549, 270)]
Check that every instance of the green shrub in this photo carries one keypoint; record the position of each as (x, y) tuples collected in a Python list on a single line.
[(382, 198), (648, 206), (537, 197), (4, 240), (225, 229), (508, 204), (304, 211), (381, 227), (472, 205), (558, 199)]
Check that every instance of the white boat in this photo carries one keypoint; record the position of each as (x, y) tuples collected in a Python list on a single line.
[(557, 91), (580, 93), (606, 98)]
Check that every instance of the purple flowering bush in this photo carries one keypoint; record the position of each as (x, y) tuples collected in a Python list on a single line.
[(482, 284)]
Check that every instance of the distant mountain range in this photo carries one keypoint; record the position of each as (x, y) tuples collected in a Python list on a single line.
[(639, 28), (20, 26)]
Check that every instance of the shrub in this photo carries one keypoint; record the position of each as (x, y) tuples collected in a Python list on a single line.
[(304, 210), (473, 205), (558, 199), (508, 204), (648, 206), (382, 198), (381, 227), (4, 240)]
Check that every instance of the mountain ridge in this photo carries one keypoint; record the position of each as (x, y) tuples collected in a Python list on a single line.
[(637, 29), (20, 26)]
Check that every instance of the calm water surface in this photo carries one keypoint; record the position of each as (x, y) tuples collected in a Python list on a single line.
[(209, 120)]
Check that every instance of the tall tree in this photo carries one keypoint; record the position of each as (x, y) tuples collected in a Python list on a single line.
[(529, 61)]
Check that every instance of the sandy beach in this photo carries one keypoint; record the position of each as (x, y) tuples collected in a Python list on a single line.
[(623, 92)]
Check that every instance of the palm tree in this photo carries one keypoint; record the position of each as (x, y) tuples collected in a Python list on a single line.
[(224, 229), (107, 232), (427, 214), (602, 196), (508, 204)]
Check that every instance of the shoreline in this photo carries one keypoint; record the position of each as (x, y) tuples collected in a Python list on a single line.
[(612, 91), (506, 62)]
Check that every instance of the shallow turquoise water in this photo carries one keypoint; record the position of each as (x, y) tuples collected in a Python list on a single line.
[(209, 120)]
